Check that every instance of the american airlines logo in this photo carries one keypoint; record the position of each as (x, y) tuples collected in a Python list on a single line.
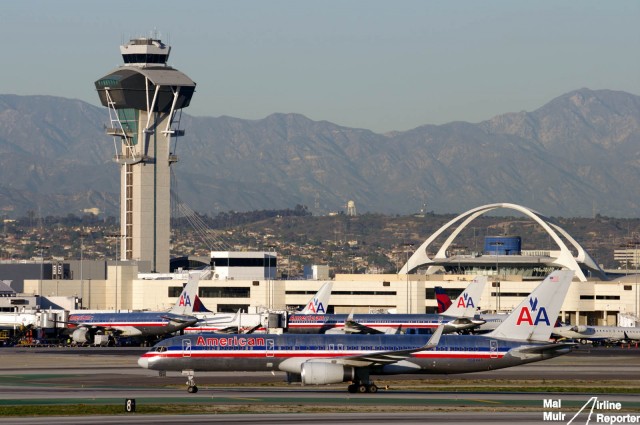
[(232, 341), (526, 316), (315, 306), (80, 318), (306, 318), (465, 301), (184, 301)]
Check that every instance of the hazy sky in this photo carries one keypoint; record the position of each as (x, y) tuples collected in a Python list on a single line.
[(381, 65)]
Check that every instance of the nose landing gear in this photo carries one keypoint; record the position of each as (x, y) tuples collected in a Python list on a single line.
[(191, 383)]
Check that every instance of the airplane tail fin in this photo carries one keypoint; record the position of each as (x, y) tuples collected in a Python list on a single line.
[(187, 299), (535, 317), (198, 306), (443, 299), (320, 302), (467, 302)]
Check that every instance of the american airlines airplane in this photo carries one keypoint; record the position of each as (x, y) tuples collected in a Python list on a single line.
[(329, 359), (248, 322), (85, 325), (458, 317), (586, 334)]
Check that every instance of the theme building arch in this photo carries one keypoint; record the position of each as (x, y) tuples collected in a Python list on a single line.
[(565, 258)]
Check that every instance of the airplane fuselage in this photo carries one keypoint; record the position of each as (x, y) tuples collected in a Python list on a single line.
[(132, 324), (220, 322), (453, 354), (383, 323), (598, 333)]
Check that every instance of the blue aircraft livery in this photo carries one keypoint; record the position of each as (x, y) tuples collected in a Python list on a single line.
[(458, 317), (85, 325), (243, 322), (326, 359)]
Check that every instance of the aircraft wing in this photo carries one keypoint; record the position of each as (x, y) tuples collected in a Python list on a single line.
[(188, 320), (90, 326), (388, 357), (353, 327)]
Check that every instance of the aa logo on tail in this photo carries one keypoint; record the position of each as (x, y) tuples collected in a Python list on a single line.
[(465, 301), (184, 301), (526, 314), (315, 306)]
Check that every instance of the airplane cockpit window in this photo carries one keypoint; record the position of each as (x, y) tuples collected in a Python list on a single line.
[(160, 349)]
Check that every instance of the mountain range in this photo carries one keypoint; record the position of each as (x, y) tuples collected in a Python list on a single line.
[(576, 156)]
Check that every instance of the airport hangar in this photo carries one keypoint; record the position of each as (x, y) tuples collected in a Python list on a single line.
[(247, 280)]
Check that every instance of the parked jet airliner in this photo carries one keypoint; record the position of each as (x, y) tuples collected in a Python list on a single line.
[(143, 324), (458, 317), (241, 322), (327, 359), (585, 333)]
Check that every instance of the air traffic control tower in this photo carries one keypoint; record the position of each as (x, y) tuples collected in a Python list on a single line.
[(145, 97)]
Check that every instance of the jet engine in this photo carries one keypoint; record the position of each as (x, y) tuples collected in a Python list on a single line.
[(318, 373), (82, 336)]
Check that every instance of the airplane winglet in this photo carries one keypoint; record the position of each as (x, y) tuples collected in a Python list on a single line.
[(435, 339)]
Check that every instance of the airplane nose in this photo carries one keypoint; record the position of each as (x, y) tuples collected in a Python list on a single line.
[(143, 362)]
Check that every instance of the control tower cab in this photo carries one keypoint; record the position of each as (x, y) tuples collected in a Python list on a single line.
[(145, 98)]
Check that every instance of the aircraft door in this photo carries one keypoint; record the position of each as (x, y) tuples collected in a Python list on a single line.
[(493, 349), (186, 348), (270, 348)]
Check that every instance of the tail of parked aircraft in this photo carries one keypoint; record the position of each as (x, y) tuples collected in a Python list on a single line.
[(320, 302), (468, 301), (198, 306), (187, 299), (535, 317), (443, 299)]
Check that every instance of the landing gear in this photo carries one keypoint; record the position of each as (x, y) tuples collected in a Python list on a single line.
[(191, 383), (362, 388), (362, 384)]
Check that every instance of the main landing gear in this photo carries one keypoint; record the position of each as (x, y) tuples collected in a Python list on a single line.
[(360, 387), (191, 383)]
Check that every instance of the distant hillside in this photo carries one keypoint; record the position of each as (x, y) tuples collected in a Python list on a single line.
[(575, 156)]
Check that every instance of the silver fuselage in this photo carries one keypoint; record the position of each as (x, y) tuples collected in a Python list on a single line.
[(453, 354)]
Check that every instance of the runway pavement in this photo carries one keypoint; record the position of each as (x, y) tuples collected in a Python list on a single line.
[(32, 376), (450, 418)]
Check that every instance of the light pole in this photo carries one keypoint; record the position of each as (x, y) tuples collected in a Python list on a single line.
[(42, 248), (116, 236), (270, 284), (635, 262), (81, 275), (408, 246), (497, 244)]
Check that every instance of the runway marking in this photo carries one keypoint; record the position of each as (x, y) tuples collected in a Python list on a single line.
[(247, 398)]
